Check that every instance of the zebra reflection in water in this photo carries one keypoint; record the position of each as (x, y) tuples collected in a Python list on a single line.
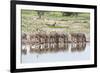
[(78, 47), (75, 47), (53, 42)]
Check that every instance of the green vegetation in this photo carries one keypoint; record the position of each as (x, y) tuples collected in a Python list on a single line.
[(57, 27), (37, 21)]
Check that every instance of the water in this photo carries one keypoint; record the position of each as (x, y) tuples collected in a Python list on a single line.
[(70, 52)]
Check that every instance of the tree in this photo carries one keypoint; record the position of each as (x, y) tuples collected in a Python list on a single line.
[(69, 13), (40, 14)]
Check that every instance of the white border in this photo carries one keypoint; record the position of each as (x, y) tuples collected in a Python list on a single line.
[(50, 8)]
